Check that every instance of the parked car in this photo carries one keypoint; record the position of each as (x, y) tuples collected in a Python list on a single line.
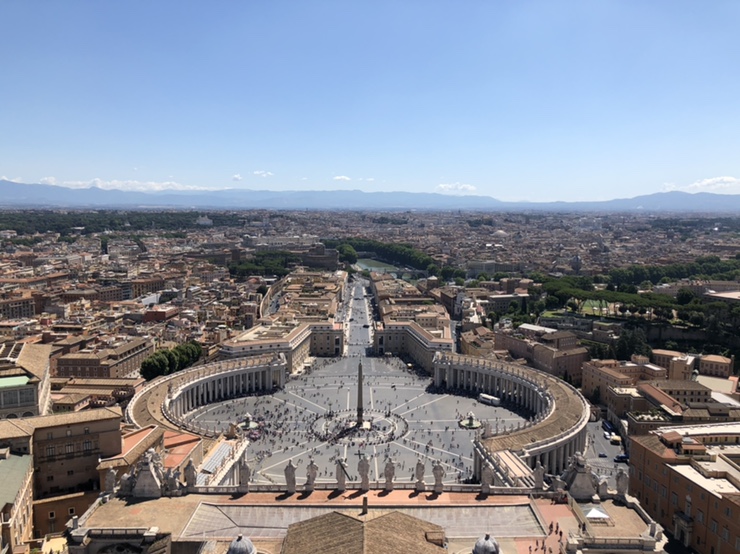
[(607, 435), (622, 458), (602, 455)]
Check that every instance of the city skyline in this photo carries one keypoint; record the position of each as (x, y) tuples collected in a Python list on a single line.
[(538, 101)]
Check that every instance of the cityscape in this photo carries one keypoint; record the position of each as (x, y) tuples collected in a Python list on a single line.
[(369, 277), (177, 379)]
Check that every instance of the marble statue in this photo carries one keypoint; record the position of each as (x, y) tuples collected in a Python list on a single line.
[(341, 473), (126, 485), (245, 473), (439, 473), (389, 473), (486, 479), (623, 482), (539, 476), (191, 476), (312, 470), (419, 474), (363, 468), (110, 480), (289, 477)]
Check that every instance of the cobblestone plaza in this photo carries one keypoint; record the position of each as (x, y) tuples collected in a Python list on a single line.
[(409, 422)]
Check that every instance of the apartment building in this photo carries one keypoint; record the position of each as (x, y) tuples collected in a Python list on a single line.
[(677, 403), (16, 496), (113, 361), (599, 375), (24, 380), (18, 308), (295, 340), (65, 447), (563, 362), (687, 479), (716, 366)]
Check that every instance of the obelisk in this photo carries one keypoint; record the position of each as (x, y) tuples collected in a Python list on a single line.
[(359, 395)]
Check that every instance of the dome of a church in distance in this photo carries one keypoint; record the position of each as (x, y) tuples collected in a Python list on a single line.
[(241, 545), (486, 545), (500, 233)]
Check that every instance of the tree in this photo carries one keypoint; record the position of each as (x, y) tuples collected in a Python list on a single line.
[(684, 296), (347, 253), (631, 341)]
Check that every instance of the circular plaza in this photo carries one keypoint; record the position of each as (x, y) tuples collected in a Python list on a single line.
[(314, 417)]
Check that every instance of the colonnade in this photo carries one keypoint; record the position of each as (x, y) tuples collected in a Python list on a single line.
[(493, 378), (198, 386), (530, 389)]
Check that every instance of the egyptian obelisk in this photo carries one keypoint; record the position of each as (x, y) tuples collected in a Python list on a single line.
[(359, 395)]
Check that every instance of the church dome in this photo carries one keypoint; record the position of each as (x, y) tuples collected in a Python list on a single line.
[(241, 545), (486, 545)]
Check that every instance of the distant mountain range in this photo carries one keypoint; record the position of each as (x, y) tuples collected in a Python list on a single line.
[(19, 195)]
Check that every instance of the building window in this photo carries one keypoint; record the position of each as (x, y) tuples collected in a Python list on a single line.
[(49, 477), (700, 516), (52, 515), (69, 432), (50, 451), (725, 534), (70, 472), (87, 446), (87, 430), (69, 449), (71, 511), (49, 435), (674, 499), (713, 527), (728, 511)]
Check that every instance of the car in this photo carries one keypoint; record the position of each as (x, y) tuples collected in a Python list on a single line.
[(602, 455), (366, 326), (607, 435), (351, 318), (622, 459)]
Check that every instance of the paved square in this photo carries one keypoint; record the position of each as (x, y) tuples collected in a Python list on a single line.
[(410, 422)]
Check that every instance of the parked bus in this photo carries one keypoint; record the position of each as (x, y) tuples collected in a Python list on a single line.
[(607, 426), (488, 399)]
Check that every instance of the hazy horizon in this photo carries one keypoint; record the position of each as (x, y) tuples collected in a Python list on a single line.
[(530, 101)]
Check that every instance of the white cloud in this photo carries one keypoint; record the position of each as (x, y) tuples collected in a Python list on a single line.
[(262, 173), (726, 185), (140, 186), (13, 180), (455, 188), (48, 181), (342, 178), (236, 177)]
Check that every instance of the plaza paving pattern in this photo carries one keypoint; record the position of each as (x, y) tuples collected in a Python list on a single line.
[(297, 425)]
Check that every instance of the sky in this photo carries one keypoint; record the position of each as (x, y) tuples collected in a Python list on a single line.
[(518, 100)]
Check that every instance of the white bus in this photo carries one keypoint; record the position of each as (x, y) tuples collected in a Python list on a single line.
[(488, 399)]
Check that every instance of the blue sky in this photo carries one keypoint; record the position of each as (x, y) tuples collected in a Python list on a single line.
[(519, 100)]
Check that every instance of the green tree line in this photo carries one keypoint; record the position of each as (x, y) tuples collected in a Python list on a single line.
[(164, 362), (278, 263), (41, 221), (397, 253)]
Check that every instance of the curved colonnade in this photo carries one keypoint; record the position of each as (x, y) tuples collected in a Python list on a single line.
[(167, 400), (557, 430)]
